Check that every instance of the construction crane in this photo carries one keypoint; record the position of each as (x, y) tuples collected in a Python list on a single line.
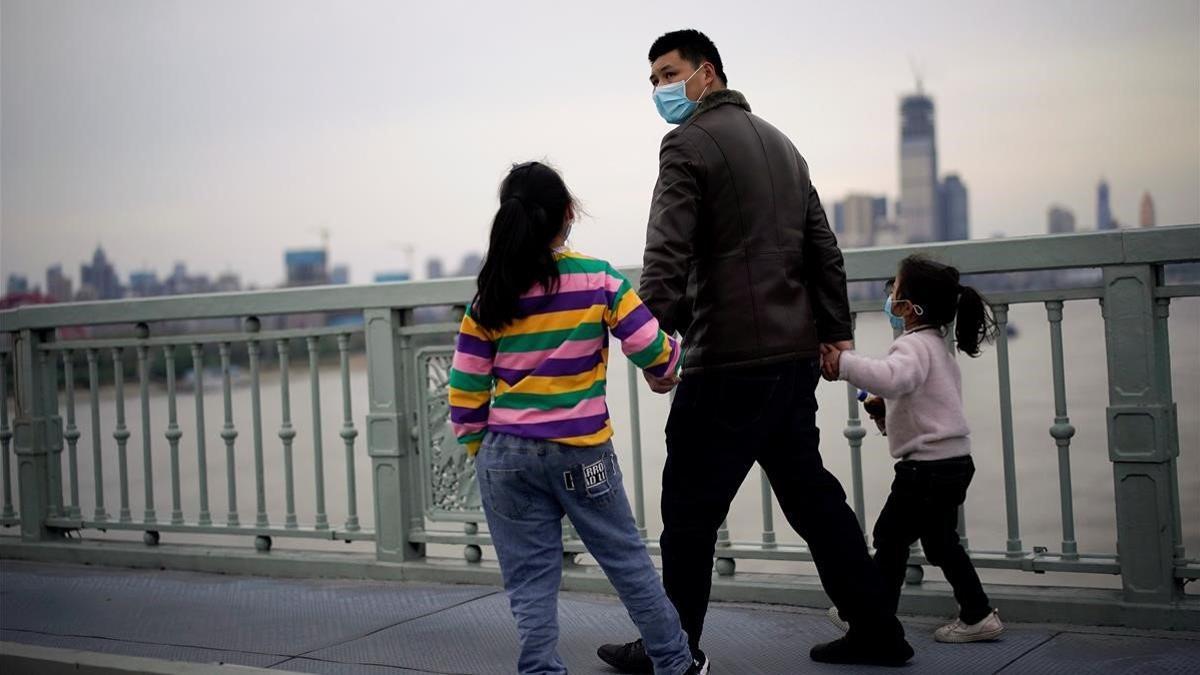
[(408, 249), (323, 233)]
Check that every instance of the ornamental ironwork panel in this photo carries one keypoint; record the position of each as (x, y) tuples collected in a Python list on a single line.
[(449, 472)]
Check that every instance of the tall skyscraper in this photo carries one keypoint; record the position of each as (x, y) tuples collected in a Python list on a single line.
[(1104, 219), (1146, 212), (955, 212), (861, 216), (58, 286), (100, 278), (918, 211), (1060, 220), (435, 268)]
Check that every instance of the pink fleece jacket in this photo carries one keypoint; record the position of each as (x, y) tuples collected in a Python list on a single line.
[(922, 386)]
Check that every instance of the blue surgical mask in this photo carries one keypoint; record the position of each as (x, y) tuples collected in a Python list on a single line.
[(672, 101), (896, 321)]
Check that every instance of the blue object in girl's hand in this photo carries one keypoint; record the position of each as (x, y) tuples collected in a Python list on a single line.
[(862, 395)]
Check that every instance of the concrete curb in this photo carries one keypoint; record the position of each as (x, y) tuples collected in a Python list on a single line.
[(1036, 604), (17, 659)]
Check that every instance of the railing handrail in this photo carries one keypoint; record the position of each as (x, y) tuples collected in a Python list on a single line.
[(1160, 245)]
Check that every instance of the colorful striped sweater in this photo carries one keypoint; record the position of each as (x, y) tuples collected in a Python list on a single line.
[(543, 375)]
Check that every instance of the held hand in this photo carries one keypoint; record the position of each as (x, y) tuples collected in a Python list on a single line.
[(877, 410), (830, 361), (661, 385)]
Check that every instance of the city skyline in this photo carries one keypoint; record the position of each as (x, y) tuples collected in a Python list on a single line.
[(102, 280), (860, 220), (170, 128)]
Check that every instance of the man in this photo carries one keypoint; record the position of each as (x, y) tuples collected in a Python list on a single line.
[(740, 259)]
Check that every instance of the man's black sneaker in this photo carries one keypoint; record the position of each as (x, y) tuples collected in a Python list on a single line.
[(630, 657), (699, 664), (895, 652)]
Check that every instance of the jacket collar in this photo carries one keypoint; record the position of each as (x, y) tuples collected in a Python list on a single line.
[(720, 98)]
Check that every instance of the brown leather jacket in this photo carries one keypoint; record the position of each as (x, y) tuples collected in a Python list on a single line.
[(739, 256)]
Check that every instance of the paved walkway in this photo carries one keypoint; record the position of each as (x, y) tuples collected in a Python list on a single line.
[(327, 626)]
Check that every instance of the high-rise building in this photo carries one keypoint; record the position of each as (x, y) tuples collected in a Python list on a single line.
[(918, 212), (1060, 220), (839, 219), (306, 267), (471, 264), (390, 277), (879, 210), (227, 282), (861, 216), (1104, 219), (144, 283), (100, 277), (16, 284), (955, 212), (1146, 212), (888, 234), (58, 286), (340, 275), (434, 268)]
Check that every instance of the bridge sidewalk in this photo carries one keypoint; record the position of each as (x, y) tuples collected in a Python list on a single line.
[(336, 626)]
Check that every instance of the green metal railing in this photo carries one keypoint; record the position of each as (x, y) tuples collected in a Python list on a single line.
[(67, 514), (420, 479)]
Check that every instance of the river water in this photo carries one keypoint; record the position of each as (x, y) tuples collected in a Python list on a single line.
[(1033, 412)]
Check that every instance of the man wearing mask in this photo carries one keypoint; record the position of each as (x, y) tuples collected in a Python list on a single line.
[(740, 260)]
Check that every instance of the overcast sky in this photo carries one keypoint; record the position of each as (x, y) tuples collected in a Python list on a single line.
[(221, 133)]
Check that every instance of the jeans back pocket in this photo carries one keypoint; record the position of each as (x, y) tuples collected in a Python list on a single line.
[(507, 492), (595, 481)]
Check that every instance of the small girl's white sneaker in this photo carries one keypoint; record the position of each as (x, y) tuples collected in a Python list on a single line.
[(956, 631)]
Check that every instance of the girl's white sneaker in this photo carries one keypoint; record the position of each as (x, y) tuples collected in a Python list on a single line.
[(956, 631)]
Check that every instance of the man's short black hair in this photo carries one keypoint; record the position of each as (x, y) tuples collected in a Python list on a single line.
[(693, 46)]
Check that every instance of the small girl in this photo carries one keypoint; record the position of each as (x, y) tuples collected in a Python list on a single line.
[(927, 431), (527, 398)]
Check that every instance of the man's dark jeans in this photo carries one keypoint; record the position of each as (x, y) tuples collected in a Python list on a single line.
[(924, 505), (720, 424)]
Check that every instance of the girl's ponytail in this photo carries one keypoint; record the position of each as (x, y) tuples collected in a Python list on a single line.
[(534, 209), (974, 322)]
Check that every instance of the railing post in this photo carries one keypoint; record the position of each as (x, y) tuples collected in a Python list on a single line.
[(391, 421), (1162, 312), (1141, 433), (7, 513), (37, 436)]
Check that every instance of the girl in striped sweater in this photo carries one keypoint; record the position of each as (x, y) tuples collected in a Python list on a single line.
[(527, 398)]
